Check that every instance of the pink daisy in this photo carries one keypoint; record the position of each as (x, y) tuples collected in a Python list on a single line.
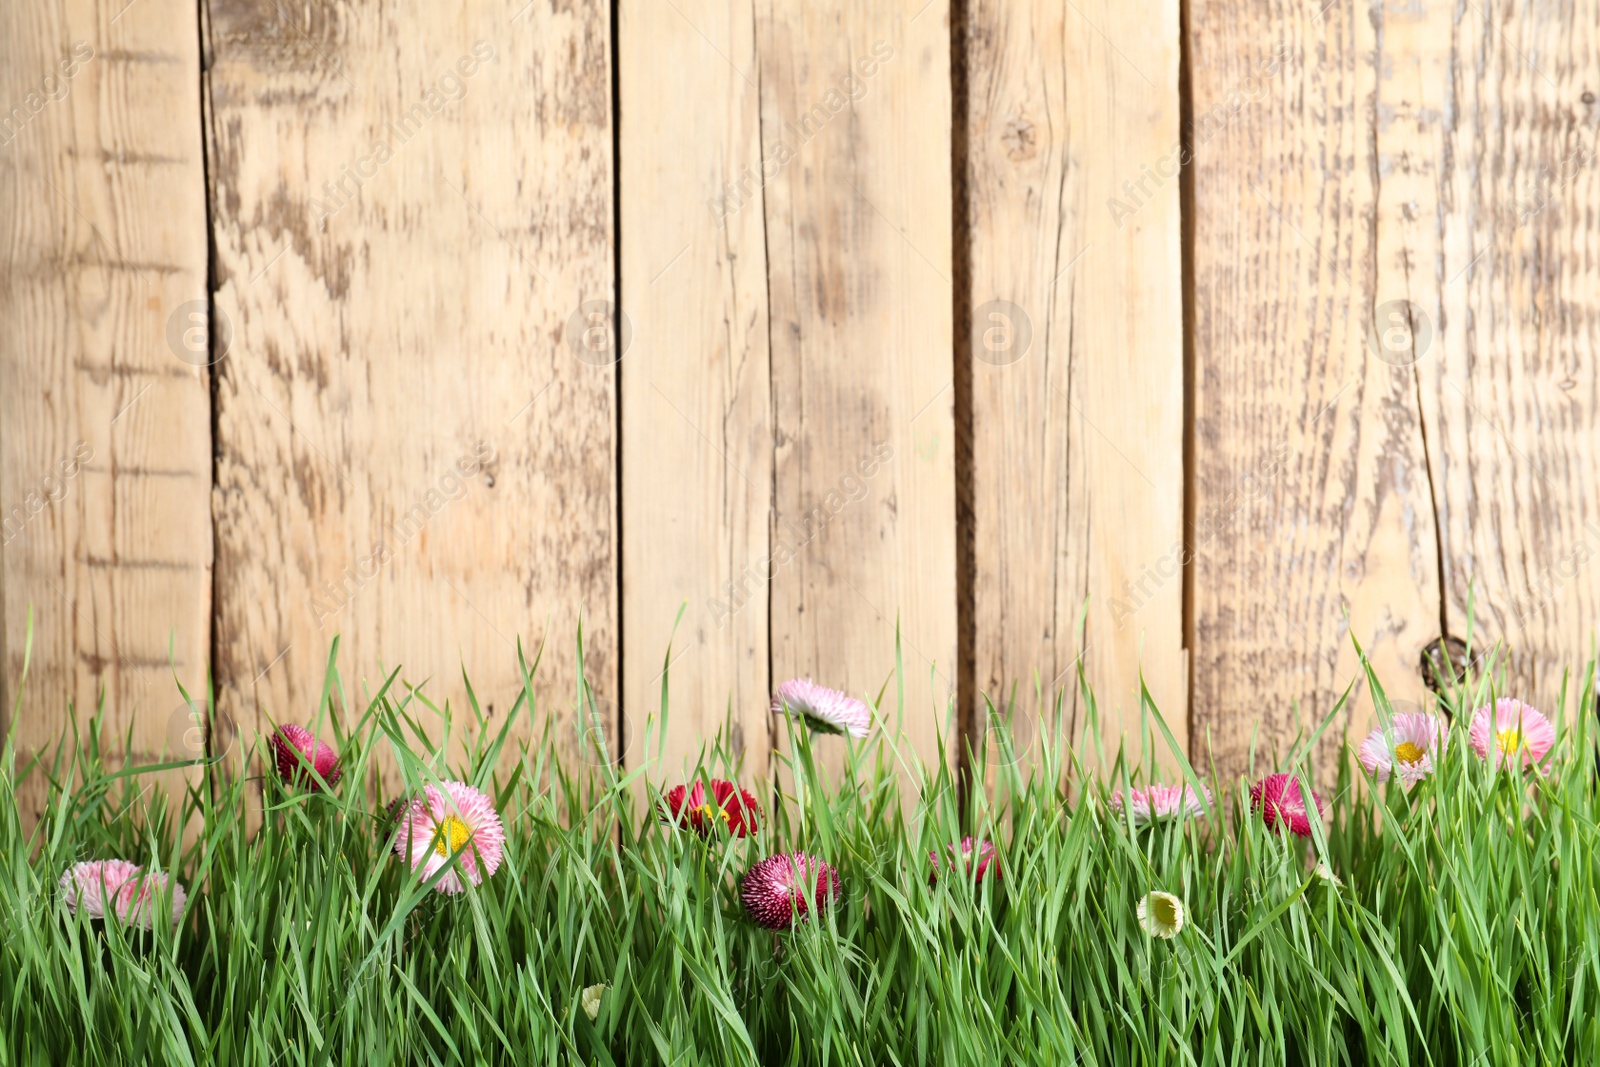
[(1277, 797), (289, 743), (781, 890), (969, 848), (131, 891), (1407, 749), (449, 819), (1516, 728), (1161, 802), (825, 710)]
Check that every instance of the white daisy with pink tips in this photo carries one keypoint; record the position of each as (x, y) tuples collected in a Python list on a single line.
[(102, 888), (445, 821), (1406, 750), (1157, 802), (1510, 732), (825, 710)]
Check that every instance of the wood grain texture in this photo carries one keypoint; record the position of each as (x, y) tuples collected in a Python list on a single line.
[(856, 105), (696, 383), (104, 428), (1496, 106), (1077, 356), (1313, 512), (413, 216), (1395, 387)]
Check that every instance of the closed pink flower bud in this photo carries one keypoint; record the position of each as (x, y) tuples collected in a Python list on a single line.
[(1277, 797), (291, 741), (783, 890)]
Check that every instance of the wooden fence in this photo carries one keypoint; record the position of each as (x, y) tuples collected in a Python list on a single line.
[(1251, 326)]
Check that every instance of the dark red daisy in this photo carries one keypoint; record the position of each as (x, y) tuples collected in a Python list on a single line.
[(729, 807), (1277, 797), (288, 743), (961, 858), (782, 890)]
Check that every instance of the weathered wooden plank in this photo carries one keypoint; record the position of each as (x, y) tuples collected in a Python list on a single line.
[(1495, 107), (696, 382), (1077, 357), (104, 392), (1312, 507), (856, 123), (413, 230)]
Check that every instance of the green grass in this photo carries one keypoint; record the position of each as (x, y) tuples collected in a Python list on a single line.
[(1466, 929)]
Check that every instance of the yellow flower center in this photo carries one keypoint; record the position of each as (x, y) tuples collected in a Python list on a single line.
[(1166, 910), (452, 836), (706, 811), (1510, 740), (1407, 752)]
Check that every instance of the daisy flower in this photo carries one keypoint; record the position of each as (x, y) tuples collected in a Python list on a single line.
[(1406, 750), (289, 743), (100, 887), (590, 1001), (1161, 914), (448, 819), (781, 890), (729, 807), (961, 858), (1161, 802), (1514, 728), (824, 710), (1277, 797)]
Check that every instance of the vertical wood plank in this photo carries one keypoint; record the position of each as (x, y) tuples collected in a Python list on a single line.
[(105, 430), (696, 381), (856, 117), (1503, 119), (1077, 357), (416, 420), (1313, 511)]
